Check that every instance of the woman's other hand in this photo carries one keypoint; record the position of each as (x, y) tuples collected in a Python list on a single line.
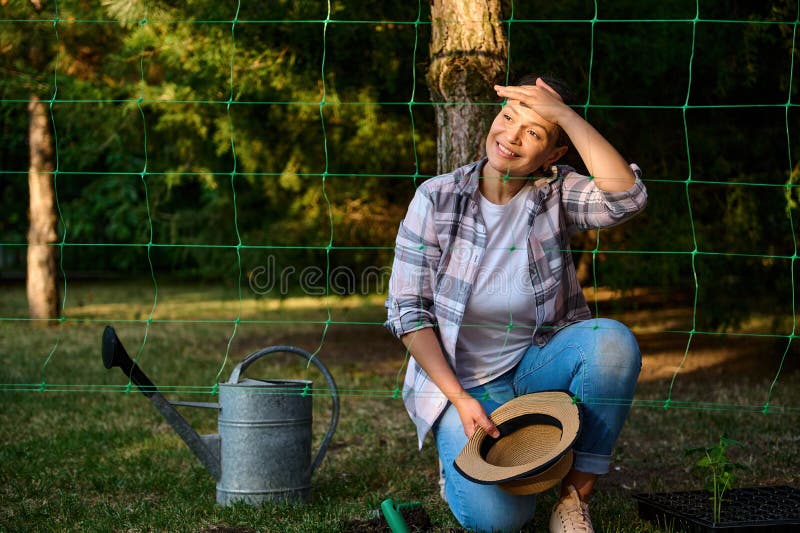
[(473, 416)]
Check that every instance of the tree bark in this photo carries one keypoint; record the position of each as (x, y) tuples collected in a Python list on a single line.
[(42, 280), (468, 57), (586, 240)]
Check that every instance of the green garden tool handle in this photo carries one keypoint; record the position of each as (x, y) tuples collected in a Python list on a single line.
[(391, 511)]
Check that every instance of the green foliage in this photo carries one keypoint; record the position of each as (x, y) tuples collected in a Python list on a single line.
[(200, 123), (179, 147), (720, 475)]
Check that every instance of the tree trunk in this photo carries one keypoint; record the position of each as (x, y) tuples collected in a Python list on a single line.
[(42, 274), (468, 57), (586, 240)]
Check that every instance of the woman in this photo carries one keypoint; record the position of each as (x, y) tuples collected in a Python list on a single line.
[(485, 297)]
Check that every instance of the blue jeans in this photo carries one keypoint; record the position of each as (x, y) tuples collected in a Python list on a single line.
[(597, 360)]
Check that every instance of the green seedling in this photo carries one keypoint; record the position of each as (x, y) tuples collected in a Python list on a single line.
[(719, 470)]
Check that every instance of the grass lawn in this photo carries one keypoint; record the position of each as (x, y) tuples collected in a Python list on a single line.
[(86, 456)]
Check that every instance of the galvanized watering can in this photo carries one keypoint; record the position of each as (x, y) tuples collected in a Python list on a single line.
[(263, 450)]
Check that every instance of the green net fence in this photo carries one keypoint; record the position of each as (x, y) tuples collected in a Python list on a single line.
[(271, 150)]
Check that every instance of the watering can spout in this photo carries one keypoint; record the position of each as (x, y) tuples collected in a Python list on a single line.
[(205, 447)]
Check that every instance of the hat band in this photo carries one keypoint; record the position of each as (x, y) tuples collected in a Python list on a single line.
[(510, 426)]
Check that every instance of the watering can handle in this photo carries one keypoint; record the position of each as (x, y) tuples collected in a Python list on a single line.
[(253, 357)]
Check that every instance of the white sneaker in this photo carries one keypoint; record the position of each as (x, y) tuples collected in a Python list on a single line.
[(571, 515)]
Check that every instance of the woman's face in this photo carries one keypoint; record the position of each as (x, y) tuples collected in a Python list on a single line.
[(520, 142)]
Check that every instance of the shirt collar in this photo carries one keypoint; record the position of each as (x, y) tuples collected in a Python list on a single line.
[(469, 175)]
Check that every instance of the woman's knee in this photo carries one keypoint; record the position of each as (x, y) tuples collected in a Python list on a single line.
[(616, 345)]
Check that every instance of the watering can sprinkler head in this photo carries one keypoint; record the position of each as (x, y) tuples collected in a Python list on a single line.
[(113, 352)]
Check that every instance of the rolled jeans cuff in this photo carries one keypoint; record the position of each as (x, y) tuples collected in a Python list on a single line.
[(591, 463)]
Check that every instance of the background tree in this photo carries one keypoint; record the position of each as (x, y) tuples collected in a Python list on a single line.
[(62, 61), (42, 276), (468, 52)]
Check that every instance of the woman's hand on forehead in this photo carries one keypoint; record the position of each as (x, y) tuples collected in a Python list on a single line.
[(540, 97)]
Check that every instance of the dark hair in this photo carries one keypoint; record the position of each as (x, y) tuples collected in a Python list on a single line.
[(563, 90)]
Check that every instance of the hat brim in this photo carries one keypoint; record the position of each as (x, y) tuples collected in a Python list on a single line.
[(542, 481), (536, 431)]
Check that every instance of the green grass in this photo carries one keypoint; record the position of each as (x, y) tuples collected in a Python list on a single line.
[(87, 460)]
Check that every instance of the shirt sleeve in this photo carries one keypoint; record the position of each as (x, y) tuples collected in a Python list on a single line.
[(589, 207), (416, 257)]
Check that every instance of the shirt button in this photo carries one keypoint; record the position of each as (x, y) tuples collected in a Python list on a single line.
[(539, 300)]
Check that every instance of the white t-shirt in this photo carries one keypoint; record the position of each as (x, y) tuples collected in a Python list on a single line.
[(501, 296)]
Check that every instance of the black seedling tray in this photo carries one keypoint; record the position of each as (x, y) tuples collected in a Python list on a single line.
[(757, 509)]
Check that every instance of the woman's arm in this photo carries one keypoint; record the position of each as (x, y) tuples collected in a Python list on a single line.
[(424, 346), (410, 309), (610, 171)]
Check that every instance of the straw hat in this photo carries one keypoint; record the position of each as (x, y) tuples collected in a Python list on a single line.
[(534, 450)]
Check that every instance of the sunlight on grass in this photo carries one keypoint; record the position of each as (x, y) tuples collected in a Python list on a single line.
[(117, 301), (191, 307)]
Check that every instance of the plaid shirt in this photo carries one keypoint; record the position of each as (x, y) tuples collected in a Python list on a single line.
[(440, 245)]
